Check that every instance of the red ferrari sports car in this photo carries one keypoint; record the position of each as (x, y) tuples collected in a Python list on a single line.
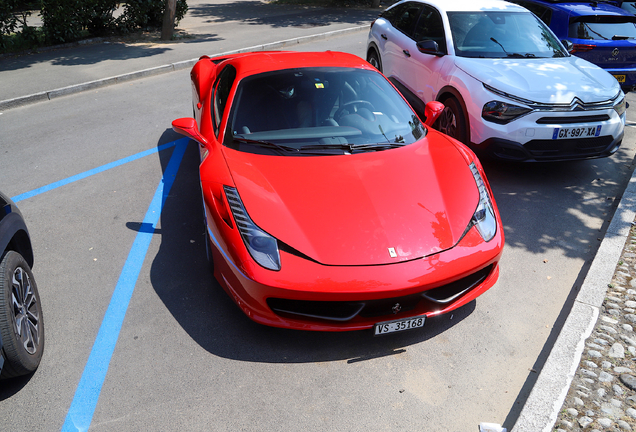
[(329, 205)]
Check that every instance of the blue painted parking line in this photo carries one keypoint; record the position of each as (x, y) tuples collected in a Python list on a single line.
[(94, 171), (80, 413)]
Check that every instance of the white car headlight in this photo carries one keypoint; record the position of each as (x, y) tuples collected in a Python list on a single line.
[(502, 112), (261, 246), (484, 218), (621, 106)]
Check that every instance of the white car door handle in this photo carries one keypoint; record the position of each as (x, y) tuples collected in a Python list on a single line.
[(406, 53)]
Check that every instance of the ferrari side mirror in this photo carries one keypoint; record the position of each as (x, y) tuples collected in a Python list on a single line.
[(432, 112), (188, 126)]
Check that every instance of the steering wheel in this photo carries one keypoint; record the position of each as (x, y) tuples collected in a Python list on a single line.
[(354, 104)]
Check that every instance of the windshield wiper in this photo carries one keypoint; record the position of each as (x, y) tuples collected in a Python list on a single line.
[(517, 55), (378, 146), (265, 144), (512, 55), (352, 147)]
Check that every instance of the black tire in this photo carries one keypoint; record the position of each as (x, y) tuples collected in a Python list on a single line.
[(21, 321), (452, 121), (374, 60)]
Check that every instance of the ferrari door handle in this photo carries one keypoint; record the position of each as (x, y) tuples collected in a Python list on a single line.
[(406, 53), (383, 36)]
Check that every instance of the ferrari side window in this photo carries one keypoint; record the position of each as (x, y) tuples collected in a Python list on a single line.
[(222, 88)]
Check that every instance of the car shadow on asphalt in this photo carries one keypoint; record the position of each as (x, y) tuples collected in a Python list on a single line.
[(12, 386), (182, 278)]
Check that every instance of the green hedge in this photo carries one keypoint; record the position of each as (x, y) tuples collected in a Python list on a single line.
[(71, 20), (13, 15), (148, 14)]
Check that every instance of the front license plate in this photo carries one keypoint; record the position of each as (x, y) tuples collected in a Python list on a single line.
[(399, 325), (620, 78), (576, 132)]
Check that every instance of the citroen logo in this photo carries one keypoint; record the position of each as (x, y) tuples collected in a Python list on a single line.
[(397, 308), (615, 52)]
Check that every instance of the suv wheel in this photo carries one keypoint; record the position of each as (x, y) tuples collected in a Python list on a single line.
[(452, 121), (21, 324), (374, 60)]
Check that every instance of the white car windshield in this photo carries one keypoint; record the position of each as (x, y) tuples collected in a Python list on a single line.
[(312, 111), (502, 35)]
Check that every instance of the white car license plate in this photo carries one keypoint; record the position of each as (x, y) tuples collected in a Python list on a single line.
[(399, 325), (576, 132)]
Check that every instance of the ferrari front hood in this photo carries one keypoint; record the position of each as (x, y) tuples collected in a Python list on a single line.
[(357, 209), (544, 80)]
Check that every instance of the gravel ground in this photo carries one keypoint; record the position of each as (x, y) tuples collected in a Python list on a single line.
[(602, 396)]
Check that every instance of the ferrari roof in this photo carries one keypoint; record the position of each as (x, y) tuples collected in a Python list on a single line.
[(265, 61)]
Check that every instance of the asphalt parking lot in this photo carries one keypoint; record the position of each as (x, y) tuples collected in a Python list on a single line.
[(139, 337)]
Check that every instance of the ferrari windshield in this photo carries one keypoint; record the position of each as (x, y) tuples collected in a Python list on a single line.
[(502, 35), (312, 111)]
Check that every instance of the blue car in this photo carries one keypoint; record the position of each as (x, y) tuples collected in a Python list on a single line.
[(21, 324), (601, 33)]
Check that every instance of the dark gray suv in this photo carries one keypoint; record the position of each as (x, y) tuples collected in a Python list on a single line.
[(21, 324)]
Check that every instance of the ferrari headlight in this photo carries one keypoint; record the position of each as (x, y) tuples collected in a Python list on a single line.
[(261, 246), (484, 218), (502, 112)]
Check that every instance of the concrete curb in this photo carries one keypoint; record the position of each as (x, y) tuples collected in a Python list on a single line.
[(542, 408), (90, 85)]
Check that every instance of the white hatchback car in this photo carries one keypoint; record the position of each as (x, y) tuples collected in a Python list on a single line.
[(509, 87)]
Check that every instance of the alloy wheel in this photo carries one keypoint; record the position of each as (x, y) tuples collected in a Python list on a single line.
[(25, 310)]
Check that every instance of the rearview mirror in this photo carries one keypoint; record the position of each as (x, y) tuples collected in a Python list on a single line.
[(429, 47), (188, 126), (569, 46), (432, 112)]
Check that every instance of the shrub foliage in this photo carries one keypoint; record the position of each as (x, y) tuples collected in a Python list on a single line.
[(71, 20), (148, 14), (13, 20)]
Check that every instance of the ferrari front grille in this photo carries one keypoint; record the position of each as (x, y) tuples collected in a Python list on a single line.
[(449, 292), (343, 311)]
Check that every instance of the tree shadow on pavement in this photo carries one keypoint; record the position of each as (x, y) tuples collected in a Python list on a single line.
[(562, 206), (83, 55), (259, 13), (95, 53)]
